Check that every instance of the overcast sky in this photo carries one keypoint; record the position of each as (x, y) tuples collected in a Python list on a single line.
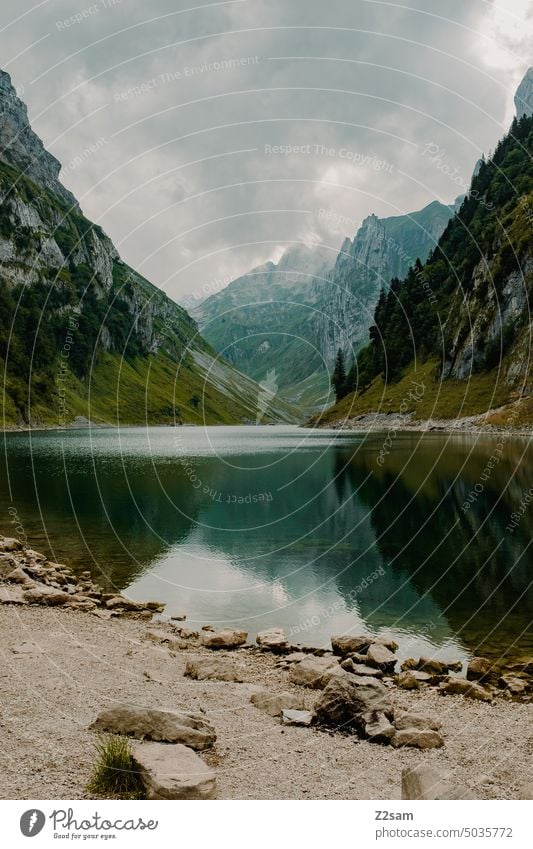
[(166, 116)]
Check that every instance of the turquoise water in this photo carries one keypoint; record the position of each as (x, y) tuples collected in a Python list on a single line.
[(318, 531)]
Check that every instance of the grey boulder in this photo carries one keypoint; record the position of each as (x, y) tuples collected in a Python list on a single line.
[(170, 726)]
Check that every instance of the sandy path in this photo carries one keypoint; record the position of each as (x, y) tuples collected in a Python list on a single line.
[(49, 697)]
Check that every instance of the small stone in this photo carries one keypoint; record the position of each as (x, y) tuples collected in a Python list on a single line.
[(275, 703), (455, 665), (410, 663), (377, 727), (19, 576), (314, 672), (274, 640), (381, 657), (124, 603), (346, 644), (12, 595), (345, 699), (170, 726), (478, 669), (224, 638), (432, 665), (515, 686), (34, 555), (290, 716), (218, 669), (179, 617), (417, 720), (173, 772), (10, 544), (360, 668), (163, 638), (460, 687), (418, 738), (294, 657), (407, 681), (388, 642)]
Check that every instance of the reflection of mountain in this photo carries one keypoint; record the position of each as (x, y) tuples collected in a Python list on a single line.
[(314, 534), (472, 567), (283, 534)]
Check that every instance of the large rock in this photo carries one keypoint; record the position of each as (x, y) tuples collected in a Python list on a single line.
[(274, 640), (275, 703), (216, 668), (419, 738), (19, 576), (224, 638), (381, 657), (460, 687), (416, 720), (314, 671), (170, 726), (426, 782), (173, 772), (346, 698), (347, 644), (478, 669)]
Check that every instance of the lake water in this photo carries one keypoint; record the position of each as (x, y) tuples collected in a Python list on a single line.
[(318, 531)]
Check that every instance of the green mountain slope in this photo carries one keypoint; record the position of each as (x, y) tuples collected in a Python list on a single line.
[(83, 334), (294, 316), (463, 319)]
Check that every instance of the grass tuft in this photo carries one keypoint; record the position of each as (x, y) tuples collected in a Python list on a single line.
[(114, 772)]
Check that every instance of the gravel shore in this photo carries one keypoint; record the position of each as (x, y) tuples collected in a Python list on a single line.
[(61, 667)]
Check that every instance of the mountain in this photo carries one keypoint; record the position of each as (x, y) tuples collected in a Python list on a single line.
[(460, 325), (263, 321), (523, 98), (81, 333), (293, 316)]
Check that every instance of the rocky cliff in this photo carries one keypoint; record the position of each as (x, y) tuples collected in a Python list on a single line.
[(81, 333), (293, 316)]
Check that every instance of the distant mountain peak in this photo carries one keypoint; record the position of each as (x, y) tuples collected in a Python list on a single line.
[(523, 98)]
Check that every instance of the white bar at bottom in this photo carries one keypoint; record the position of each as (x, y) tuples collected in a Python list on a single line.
[(267, 824)]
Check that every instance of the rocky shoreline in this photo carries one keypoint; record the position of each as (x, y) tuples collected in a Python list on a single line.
[(209, 712), (386, 422)]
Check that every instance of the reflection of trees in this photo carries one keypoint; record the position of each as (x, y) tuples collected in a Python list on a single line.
[(111, 521), (474, 569), (334, 518)]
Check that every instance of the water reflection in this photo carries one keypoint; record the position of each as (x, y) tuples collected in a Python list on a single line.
[(305, 529)]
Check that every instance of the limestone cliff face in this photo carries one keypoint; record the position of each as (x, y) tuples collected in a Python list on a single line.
[(523, 98), (293, 316), (22, 148), (383, 248)]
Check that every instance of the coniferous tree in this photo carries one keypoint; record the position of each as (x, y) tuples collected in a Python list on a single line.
[(339, 375)]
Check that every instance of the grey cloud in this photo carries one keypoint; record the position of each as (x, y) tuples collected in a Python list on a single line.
[(164, 143)]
